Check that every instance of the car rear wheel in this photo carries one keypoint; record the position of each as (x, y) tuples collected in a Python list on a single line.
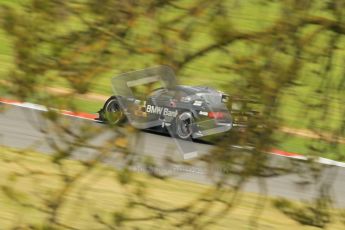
[(113, 113), (183, 125)]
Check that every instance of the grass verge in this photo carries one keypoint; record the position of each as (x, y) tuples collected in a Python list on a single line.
[(309, 146)]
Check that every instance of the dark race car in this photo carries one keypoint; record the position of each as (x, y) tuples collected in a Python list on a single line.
[(187, 111)]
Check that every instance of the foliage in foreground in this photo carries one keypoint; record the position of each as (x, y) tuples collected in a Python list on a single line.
[(98, 37), (316, 214)]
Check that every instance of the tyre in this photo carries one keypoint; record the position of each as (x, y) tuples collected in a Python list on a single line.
[(183, 125), (112, 112)]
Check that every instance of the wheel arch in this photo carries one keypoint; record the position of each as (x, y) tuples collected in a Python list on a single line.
[(101, 112)]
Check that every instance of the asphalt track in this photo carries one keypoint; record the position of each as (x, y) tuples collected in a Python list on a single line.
[(20, 128)]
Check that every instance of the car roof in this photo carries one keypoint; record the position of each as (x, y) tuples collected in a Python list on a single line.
[(194, 89), (190, 90)]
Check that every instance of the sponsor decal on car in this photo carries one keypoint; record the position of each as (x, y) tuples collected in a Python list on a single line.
[(197, 103), (161, 111), (203, 113), (173, 103)]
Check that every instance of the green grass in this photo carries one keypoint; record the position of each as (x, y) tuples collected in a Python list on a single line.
[(78, 104), (100, 193), (88, 106), (303, 145)]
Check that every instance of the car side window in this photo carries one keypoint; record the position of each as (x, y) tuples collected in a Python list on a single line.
[(170, 93), (180, 94), (157, 93)]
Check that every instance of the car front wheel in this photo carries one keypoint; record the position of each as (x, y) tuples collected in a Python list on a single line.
[(112, 112)]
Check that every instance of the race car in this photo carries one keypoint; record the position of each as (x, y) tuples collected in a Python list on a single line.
[(185, 111)]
